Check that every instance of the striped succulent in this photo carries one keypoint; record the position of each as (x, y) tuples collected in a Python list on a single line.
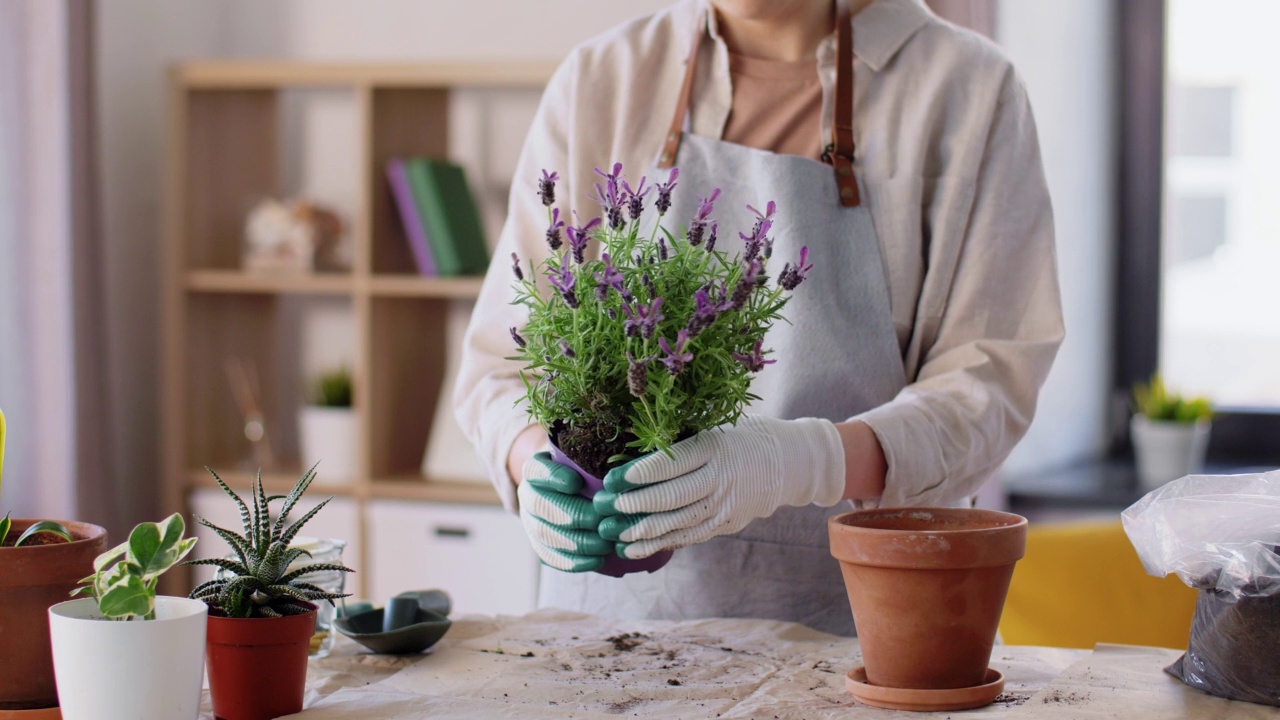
[(258, 582)]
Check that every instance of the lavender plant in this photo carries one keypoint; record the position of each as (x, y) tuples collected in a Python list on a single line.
[(655, 336)]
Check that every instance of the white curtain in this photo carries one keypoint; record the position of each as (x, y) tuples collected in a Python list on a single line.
[(50, 299)]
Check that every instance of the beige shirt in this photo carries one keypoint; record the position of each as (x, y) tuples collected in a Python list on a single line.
[(948, 155), (777, 106)]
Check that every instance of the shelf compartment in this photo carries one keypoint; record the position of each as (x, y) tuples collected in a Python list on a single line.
[(424, 490), (457, 288), (405, 123), (406, 380), (232, 161), (232, 281)]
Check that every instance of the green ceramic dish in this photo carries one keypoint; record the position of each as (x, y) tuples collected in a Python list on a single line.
[(366, 629)]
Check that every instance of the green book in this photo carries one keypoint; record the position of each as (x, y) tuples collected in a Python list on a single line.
[(453, 220)]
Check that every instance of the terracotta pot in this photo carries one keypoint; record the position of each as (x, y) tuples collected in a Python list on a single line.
[(31, 580), (926, 586), (258, 666), (614, 566)]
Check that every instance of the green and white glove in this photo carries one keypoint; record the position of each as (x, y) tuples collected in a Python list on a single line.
[(562, 526), (718, 481)]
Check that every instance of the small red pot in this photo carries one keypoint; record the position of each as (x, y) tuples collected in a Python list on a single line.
[(258, 666)]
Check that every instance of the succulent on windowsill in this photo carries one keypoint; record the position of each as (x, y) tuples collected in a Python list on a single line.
[(1157, 402), (259, 583)]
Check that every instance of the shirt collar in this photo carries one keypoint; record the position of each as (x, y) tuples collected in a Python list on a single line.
[(879, 30)]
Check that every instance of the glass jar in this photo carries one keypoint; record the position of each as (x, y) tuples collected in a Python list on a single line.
[(326, 551)]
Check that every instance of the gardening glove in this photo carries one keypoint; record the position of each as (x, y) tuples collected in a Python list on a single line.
[(718, 481), (562, 525)]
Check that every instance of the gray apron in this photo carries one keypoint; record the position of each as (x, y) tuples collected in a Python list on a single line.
[(837, 356)]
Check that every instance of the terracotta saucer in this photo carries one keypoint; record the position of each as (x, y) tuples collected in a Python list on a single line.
[(46, 714), (923, 700)]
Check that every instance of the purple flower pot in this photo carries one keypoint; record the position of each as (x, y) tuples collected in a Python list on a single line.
[(614, 566)]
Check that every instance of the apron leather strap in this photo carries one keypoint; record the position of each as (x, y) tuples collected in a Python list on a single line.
[(676, 133), (842, 128), (841, 151)]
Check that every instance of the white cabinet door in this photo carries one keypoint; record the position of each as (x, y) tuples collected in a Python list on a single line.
[(479, 555), (339, 519)]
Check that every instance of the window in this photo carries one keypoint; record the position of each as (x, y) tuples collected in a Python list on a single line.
[(1199, 262)]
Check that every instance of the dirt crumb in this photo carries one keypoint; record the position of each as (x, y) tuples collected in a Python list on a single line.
[(1057, 696), (1011, 699), (673, 682), (618, 708), (627, 642)]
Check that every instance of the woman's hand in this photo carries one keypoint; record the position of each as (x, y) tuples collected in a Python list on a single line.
[(718, 481), (562, 526)]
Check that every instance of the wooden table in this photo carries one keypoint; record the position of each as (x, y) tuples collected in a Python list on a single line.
[(556, 664)]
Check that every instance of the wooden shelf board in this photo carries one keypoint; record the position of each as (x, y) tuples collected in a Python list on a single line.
[(464, 288), (276, 483), (443, 491), (234, 281), (269, 74)]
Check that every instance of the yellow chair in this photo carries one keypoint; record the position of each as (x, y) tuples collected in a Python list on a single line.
[(1081, 583)]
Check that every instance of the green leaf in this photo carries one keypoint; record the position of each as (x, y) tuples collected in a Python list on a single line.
[(45, 526), (126, 599), (109, 556), (5, 524), (144, 545)]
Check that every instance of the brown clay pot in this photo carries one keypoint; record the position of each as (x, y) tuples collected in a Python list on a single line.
[(258, 666), (926, 586), (31, 580)]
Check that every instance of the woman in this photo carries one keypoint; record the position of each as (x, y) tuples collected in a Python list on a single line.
[(915, 352)]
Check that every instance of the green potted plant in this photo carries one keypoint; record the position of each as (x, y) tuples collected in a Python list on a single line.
[(650, 340), (41, 561), (327, 424), (161, 638), (1170, 433), (261, 616)]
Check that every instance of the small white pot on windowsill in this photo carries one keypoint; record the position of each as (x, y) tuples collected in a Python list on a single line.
[(328, 435), (1167, 450)]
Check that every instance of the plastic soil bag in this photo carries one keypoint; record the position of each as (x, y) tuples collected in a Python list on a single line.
[(1220, 534)]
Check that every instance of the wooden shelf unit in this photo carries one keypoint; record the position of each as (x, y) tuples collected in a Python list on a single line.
[(225, 148)]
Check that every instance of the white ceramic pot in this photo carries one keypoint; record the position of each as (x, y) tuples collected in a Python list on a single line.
[(1168, 450), (328, 435), (134, 670)]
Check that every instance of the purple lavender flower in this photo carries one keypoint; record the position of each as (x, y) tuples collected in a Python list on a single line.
[(566, 350), (746, 284), (662, 248), (711, 237), (705, 311), (515, 266), (516, 336), (610, 278), (647, 317), (663, 203), (638, 374), (635, 198), (554, 239), (698, 226), (791, 277), (630, 326), (755, 361), (547, 188), (563, 280), (648, 284), (578, 237), (758, 242), (677, 357), (609, 198)]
